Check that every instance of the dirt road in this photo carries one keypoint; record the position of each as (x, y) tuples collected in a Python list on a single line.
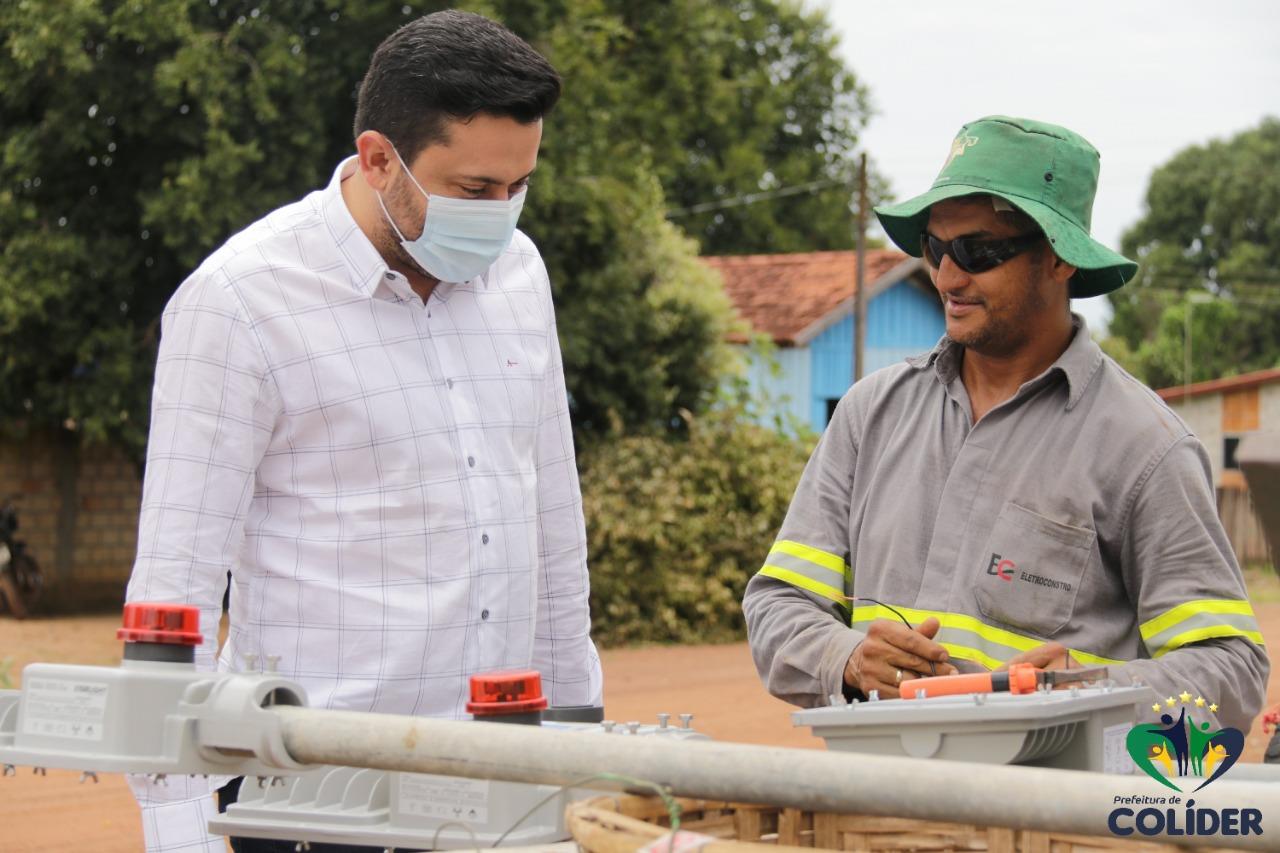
[(717, 684)]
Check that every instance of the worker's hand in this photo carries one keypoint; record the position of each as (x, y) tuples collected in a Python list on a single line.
[(892, 653), (1047, 656)]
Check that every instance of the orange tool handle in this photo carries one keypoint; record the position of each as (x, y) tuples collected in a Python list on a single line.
[(947, 685), (1019, 678)]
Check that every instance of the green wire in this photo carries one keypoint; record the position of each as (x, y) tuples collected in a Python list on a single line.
[(673, 807)]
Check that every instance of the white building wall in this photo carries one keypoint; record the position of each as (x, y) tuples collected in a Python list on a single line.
[(1269, 406), (1203, 415)]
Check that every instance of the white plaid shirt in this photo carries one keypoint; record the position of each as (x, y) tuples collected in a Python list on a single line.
[(392, 484)]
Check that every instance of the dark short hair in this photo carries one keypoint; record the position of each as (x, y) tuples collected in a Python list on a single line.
[(1019, 219), (1023, 223), (447, 66)]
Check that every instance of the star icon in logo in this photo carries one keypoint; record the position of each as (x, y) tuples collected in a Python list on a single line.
[(1199, 701), (1184, 696), (1213, 708), (1156, 707), (1170, 702)]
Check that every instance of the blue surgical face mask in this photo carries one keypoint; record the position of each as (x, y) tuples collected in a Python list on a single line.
[(461, 237)]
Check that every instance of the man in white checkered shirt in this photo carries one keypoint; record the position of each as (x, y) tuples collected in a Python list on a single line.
[(360, 412)]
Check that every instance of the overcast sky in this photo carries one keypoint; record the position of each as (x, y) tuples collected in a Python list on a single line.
[(1140, 79)]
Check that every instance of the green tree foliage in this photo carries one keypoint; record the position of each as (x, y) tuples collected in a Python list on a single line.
[(725, 99), (1209, 244), (676, 526), (742, 97), (642, 323), (134, 138), (136, 135)]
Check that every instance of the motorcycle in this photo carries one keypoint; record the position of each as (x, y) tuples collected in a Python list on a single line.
[(20, 577), (1271, 726)]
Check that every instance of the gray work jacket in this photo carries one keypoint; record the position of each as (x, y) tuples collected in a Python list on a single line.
[(1080, 510)]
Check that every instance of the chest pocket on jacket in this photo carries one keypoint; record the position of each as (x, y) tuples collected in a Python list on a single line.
[(1033, 572)]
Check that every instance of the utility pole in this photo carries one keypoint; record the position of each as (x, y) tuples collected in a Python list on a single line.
[(1186, 350), (860, 280), (1193, 298)]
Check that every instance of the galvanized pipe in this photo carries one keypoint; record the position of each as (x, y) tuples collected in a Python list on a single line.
[(991, 795)]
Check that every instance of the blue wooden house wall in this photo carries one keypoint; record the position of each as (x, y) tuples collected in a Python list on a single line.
[(797, 385), (780, 387), (902, 321)]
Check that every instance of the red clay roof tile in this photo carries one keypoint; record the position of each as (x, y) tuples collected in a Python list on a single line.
[(1231, 383), (781, 295)]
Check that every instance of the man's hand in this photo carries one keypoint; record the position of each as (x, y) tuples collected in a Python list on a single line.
[(893, 653), (1047, 656)]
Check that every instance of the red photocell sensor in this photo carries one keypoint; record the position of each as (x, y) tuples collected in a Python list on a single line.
[(501, 693), (152, 622)]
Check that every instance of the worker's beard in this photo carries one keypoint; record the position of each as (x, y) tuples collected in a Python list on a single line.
[(1010, 323)]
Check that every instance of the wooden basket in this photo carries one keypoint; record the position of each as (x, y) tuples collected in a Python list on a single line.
[(624, 824)]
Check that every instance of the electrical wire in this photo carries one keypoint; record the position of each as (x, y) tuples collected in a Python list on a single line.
[(1248, 298), (1259, 277), (933, 670), (436, 837), (673, 807), (764, 195)]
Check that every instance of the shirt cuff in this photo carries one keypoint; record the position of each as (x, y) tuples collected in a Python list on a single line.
[(839, 649)]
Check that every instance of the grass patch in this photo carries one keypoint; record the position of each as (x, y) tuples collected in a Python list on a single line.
[(1263, 583)]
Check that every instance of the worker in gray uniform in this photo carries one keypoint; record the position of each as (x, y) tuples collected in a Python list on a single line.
[(1012, 495)]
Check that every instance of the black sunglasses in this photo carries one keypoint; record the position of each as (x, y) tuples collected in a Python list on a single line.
[(973, 255)]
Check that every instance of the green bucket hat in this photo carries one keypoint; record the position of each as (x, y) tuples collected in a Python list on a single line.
[(1046, 171)]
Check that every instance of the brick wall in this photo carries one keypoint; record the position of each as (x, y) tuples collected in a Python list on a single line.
[(78, 511)]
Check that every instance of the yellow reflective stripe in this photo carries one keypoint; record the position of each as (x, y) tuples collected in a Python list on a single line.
[(960, 622), (1188, 609), (978, 656), (867, 612), (806, 583), (813, 555), (1096, 660), (1208, 632), (951, 620), (966, 653)]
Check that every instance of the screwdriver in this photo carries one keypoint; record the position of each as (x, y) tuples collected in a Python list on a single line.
[(1019, 679)]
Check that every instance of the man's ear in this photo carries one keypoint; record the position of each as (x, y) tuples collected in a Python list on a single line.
[(1061, 270), (378, 161)]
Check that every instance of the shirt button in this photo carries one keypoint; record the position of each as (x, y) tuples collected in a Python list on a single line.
[(471, 460), (391, 276), (484, 614), (484, 539)]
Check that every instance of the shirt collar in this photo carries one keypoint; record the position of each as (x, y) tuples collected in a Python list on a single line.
[(1078, 363), (370, 274), (364, 262)]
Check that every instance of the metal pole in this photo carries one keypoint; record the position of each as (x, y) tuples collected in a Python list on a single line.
[(991, 795), (859, 289), (1186, 350)]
